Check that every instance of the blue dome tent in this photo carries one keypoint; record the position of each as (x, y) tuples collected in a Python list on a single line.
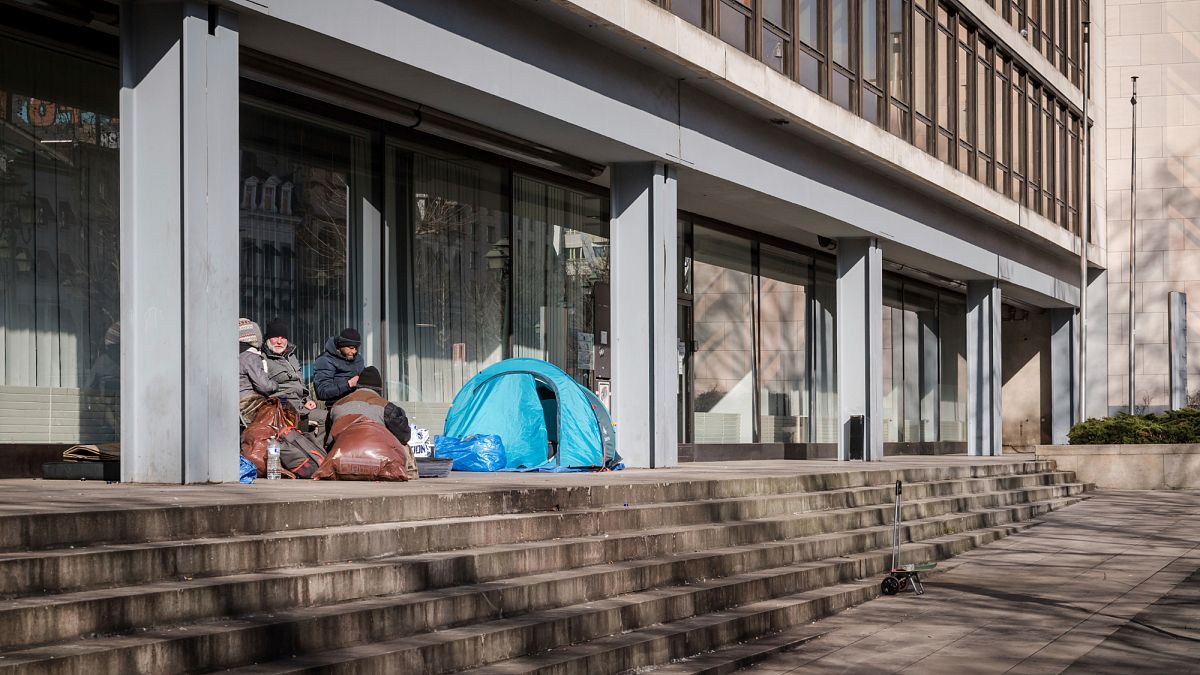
[(546, 419)]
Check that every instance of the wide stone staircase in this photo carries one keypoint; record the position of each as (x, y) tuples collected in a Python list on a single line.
[(557, 578)]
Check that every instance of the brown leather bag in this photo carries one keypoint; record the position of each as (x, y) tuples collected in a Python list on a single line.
[(272, 418), (363, 449)]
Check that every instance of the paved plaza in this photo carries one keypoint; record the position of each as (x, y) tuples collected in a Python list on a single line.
[(1109, 585)]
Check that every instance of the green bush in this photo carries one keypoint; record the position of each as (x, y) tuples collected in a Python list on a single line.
[(1173, 426)]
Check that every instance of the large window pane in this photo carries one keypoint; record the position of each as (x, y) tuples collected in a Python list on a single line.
[(560, 252), (783, 405), (952, 410), (59, 247), (870, 42), (921, 83), (945, 81), (297, 226), (822, 348), (691, 11), (807, 25), (840, 20), (454, 268), (724, 334), (774, 50), (777, 12), (734, 26), (897, 65)]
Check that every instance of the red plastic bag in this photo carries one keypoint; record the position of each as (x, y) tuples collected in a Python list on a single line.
[(272, 417), (363, 449)]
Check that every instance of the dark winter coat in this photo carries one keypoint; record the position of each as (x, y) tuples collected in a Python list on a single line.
[(284, 370), (332, 373), (367, 402)]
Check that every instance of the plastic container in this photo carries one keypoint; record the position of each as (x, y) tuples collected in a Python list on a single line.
[(434, 467), (273, 459)]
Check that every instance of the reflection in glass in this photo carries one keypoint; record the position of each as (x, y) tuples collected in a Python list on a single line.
[(59, 246), (809, 73), (724, 334), (296, 226), (840, 19), (807, 25), (784, 282), (774, 50), (952, 410), (691, 11), (454, 270), (870, 42), (734, 26), (897, 67), (560, 252)]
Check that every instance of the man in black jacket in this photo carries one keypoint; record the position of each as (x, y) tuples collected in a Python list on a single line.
[(336, 370)]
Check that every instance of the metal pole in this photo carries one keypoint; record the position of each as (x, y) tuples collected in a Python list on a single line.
[(1085, 227), (1132, 247)]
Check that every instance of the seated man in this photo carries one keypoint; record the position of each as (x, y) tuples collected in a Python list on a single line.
[(284, 369), (367, 400), (336, 370), (253, 383)]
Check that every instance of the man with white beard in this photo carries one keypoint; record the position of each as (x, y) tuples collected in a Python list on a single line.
[(284, 369)]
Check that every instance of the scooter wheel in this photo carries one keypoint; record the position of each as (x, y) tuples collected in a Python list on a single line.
[(890, 585)]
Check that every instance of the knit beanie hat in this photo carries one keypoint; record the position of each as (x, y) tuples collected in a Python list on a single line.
[(249, 332), (370, 377), (276, 328), (348, 338)]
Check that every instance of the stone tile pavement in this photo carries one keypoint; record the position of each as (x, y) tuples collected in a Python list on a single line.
[(1110, 585)]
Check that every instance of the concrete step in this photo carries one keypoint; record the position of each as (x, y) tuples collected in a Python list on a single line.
[(109, 566), (260, 638), (725, 641), (33, 620), (629, 632), (311, 509)]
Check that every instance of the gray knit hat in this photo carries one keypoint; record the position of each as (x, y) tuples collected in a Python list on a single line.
[(249, 332)]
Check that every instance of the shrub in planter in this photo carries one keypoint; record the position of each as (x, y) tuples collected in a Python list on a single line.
[(1174, 426), (1180, 426)]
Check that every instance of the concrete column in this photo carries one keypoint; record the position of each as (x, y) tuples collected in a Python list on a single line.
[(1095, 376), (644, 296), (179, 243), (1177, 333), (984, 420), (1064, 352), (860, 343)]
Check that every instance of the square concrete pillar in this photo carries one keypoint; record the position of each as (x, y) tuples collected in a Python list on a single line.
[(860, 343), (1095, 377), (984, 421), (644, 297), (1064, 355), (179, 243)]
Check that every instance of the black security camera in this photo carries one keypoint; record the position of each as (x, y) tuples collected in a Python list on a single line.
[(826, 243)]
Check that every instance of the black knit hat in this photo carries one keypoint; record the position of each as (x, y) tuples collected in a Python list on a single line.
[(276, 328), (348, 338), (370, 377)]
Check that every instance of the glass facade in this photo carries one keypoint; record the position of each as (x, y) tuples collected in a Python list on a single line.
[(759, 319), (59, 246), (297, 225), (925, 72), (924, 363), (486, 263)]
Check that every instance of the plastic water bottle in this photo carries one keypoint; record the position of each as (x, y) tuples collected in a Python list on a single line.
[(272, 458)]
